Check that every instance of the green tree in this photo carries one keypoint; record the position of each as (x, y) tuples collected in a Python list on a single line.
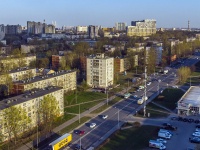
[(42, 63), (151, 60), (49, 111), (63, 65), (6, 82), (15, 121), (84, 85), (183, 74)]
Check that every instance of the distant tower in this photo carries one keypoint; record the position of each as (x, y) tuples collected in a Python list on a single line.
[(188, 25)]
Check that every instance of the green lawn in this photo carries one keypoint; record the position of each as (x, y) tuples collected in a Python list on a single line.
[(131, 139), (170, 97)]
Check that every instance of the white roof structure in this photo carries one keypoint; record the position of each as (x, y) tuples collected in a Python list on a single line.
[(191, 97)]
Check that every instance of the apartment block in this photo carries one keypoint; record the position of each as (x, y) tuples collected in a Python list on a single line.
[(100, 71), (9, 62), (120, 26), (145, 27), (39, 28), (118, 65), (93, 31), (64, 79), (13, 29), (2, 32), (30, 103), (81, 29), (19, 74)]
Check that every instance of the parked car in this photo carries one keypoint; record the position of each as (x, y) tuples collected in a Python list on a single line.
[(135, 96), (161, 140), (197, 134), (78, 147), (194, 140), (92, 125), (104, 116)]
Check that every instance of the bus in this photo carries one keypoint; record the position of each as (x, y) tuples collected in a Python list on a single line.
[(127, 95)]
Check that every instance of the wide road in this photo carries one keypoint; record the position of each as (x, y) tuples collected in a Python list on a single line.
[(118, 113)]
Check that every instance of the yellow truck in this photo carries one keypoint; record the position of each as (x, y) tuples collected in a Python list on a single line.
[(62, 141)]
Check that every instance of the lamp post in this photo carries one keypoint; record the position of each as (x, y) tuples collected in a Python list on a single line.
[(107, 95)]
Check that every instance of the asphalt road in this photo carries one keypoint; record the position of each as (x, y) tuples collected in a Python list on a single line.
[(118, 113)]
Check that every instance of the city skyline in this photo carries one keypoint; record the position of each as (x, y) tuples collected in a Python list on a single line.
[(168, 14)]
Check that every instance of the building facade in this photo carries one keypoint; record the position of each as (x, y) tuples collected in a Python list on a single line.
[(64, 79), (93, 31), (30, 103), (56, 60), (2, 32), (13, 29), (142, 28), (100, 71), (81, 29), (120, 26), (118, 65), (39, 28)]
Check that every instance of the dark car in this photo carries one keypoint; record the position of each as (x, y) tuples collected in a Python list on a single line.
[(180, 119), (196, 121), (190, 120), (198, 126), (170, 127), (78, 147), (194, 140)]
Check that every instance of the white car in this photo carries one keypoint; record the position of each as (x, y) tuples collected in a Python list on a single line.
[(104, 116), (161, 140), (135, 96), (149, 83), (196, 134), (92, 125)]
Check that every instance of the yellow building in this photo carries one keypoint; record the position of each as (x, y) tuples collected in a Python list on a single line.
[(141, 28), (30, 103)]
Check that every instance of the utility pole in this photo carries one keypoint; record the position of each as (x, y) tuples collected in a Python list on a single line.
[(145, 89)]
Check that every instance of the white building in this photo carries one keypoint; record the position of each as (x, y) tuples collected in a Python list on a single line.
[(100, 71), (81, 29), (189, 104), (120, 26)]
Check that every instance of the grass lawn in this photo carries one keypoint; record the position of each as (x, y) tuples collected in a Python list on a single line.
[(131, 139), (155, 111), (169, 98)]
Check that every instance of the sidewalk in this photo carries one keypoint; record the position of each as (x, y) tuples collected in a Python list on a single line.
[(29, 145)]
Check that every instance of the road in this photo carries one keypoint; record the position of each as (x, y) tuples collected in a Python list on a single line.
[(119, 113)]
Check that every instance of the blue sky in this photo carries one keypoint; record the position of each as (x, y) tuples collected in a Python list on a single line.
[(168, 13)]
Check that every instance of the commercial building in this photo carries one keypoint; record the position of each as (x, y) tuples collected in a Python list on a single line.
[(30, 103), (120, 26), (100, 71), (189, 104), (39, 28), (93, 31), (64, 79), (145, 27)]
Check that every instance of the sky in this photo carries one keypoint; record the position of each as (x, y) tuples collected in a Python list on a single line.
[(167, 13)]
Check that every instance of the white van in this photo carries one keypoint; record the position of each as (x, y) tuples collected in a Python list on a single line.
[(164, 135), (156, 144)]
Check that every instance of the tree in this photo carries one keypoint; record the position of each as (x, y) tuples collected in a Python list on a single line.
[(15, 120), (49, 111), (7, 82), (183, 74), (151, 60), (42, 63), (84, 85), (63, 65)]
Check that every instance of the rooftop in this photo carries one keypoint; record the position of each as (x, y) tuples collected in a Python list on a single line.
[(18, 70), (5, 103), (39, 78), (192, 96)]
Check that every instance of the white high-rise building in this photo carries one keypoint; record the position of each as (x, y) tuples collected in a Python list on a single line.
[(100, 71), (120, 26)]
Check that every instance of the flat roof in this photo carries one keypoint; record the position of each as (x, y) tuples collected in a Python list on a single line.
[(40, 78), (192, 96), (18, 70), (8, 102)]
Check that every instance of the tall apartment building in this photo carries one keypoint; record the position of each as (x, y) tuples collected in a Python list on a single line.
[(39, 28), (81, 29), (100, 71), (142, 28), (2, 32), (13, 29), (30, 103), (120, 26), (93, 31), (64, 79)]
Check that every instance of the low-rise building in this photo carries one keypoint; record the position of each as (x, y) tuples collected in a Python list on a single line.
[(30, 103), (189, 104), (64, 79)]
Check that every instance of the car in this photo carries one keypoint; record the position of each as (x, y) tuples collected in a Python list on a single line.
[(92, 125), (190, 120), (81, 132), (197, 134), (194, 140), (197, 126), (104, 116), (149, 83), (170, 127), (161, 140), (196, 121), (135, 96), (78, 147)]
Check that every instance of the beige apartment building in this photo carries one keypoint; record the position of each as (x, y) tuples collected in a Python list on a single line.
[(100, 71), (64, 79), (10, 63), (30, 103), (145, 27), (18, 74)]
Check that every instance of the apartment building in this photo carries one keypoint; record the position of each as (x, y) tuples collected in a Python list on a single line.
[(93, 31), (13, 29), (39, 27), (56, 60), (145, 27), (100, 71), (30, 103), (81, 29), (64, 79), (120, 26), (118, 65), (2, 32), (19, 74), (9, 62)]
